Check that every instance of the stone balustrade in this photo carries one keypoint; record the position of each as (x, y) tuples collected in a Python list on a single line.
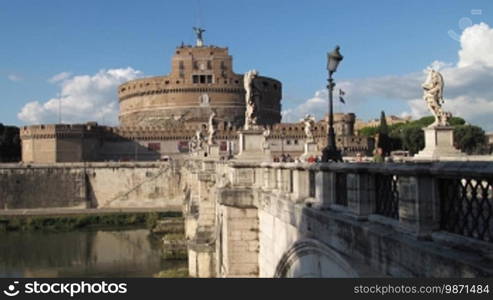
[(406, 196)]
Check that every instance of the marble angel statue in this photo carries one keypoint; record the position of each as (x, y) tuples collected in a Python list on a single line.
[(309, 120), (250, 101), (433, 95), (211, 129)]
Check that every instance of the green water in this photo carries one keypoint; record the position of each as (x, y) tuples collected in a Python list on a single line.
[(88, 253)]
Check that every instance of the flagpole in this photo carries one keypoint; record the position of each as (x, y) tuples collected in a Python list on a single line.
[(341, 99)]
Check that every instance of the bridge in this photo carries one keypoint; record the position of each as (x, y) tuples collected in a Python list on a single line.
[(250, 219)]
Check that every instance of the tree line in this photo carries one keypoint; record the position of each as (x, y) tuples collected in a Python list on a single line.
[(409, 136)]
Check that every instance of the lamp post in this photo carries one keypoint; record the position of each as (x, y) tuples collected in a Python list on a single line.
[(330, 153)]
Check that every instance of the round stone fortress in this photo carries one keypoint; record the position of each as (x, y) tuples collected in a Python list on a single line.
[(201, 82)]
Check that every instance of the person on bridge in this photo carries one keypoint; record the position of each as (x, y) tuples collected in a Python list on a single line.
[(378, 156)]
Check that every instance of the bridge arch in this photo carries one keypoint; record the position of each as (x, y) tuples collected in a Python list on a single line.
[(311, 258)]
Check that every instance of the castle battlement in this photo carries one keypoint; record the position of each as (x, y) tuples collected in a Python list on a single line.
[(59, 130)]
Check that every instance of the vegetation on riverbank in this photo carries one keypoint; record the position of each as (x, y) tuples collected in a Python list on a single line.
[(174, 246), (173, 273), (410, 136), (81, 221)]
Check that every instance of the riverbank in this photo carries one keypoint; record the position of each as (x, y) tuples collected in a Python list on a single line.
[(64, 220), (88, 253)]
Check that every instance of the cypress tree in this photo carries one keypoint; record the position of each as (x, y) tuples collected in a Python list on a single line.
[(383, 135)]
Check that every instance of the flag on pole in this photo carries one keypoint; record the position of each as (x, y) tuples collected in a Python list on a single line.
[(341, 93)]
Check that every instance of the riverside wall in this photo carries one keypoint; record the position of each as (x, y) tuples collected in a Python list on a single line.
[(91, 185)]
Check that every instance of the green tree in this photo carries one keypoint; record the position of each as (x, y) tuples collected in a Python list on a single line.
[(10, 148), (470, 139), (423, 122), (410, 136), (413, 139), (383, 135), (455, 121), (368, 131)]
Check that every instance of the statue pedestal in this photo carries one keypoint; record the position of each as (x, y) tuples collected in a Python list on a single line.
[(251, 144), (439, 144), (311, 149)]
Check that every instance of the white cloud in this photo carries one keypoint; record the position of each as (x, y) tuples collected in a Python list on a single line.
[(83, 98), (316, 106), (14, 77), (60, 77), (358, 92), (477, 45), (468, 93)]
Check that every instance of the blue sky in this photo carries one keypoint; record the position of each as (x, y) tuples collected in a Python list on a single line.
[(287, 40)]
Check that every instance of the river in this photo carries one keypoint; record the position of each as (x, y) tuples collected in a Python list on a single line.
[(85, 253)]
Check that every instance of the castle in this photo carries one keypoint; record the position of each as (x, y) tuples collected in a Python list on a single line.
[(161, 116)]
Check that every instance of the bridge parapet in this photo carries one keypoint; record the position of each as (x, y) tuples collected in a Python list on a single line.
[(419, 198), (437, 214)]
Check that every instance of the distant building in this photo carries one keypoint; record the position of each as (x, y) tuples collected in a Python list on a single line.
[(489, 136), (391, 120), (289, 138), (489, 139), (201, 81)]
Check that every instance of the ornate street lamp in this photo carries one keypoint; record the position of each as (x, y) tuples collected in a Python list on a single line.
[(330, 153)]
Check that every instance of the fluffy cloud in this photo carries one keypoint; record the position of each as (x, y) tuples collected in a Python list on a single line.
[(83, 98), (477, 45), (316, 106), (359, 92), (468, 91)]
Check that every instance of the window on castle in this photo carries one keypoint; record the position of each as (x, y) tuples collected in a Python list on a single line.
[(202, 79), (209, 64)]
